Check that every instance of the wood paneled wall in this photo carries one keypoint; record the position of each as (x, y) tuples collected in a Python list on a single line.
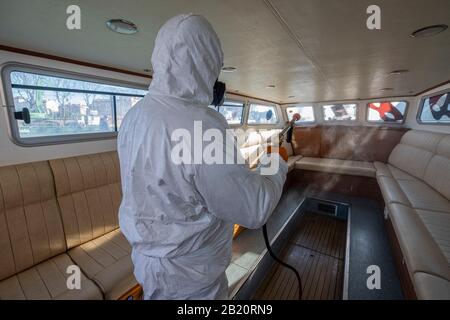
[(359, 143)]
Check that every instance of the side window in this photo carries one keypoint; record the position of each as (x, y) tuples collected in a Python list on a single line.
[(261, 114), (232, 111), (63, 109), (435, 109), (339, 112), (306, 113), (387, 111), (123, 105)]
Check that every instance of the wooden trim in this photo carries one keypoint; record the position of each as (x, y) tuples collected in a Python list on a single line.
[(432, 88), (402, 270), (73, 61), (237, 230), (134, 293)]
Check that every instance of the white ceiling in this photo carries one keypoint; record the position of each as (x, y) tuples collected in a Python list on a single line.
[(316, 50)]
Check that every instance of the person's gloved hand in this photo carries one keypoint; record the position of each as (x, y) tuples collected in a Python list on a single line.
[(280, 150)]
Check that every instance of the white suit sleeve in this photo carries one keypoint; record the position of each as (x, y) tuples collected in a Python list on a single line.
[(238, 195)]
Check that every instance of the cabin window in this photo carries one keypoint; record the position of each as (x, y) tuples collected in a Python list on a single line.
[(387, 111), (66, 109), (232, 111), (435, 109), (339, 112), (261, 114), (306, 113)]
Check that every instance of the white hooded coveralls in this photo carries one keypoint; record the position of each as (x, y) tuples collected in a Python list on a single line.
[(179, 218)]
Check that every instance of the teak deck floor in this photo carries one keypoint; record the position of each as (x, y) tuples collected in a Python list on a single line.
[(317, 251)]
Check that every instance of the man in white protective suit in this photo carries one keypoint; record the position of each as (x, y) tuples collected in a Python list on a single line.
[(179, 217)]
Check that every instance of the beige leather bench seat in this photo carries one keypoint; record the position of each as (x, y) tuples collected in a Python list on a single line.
[(349, 167), (292, 160), (47, 281), (33, 262), (411, 192), (89, 194), (416, 188)]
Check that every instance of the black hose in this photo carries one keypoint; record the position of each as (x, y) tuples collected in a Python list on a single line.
[(284, 264)]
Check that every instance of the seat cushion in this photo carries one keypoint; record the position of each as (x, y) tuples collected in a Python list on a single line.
[(350, 167), (438, 224), (47, 281), (382, 170), (392, 193), (419, 248), (291, 162), (413, 192), (430, 287), (422, 196), (107, 261)]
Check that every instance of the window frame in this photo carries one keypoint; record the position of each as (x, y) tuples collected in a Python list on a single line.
[(306, 123), (262, 124), (8, 68), (384, 122), (242, 113), (357, 112), (420, 109)]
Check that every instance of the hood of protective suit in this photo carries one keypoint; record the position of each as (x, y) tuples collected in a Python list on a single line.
[(186, 60)]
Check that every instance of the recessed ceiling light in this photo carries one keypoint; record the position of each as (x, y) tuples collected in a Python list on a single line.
[(398, 72), (429, 31), (271, 86), (386, 89), (147, 70), (290, 97), (229, 69), (122, 26)]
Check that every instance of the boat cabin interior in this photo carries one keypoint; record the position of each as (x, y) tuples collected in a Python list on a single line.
[(365, 210)]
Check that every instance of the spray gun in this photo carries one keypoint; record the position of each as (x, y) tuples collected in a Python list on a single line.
[(288, 130), (285, 135)]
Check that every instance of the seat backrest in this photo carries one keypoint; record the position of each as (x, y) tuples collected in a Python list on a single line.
[(437, 173), (415, 151), (31, 229), (89, 194)]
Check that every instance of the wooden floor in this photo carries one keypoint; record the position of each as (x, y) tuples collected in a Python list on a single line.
[(317, 251)]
